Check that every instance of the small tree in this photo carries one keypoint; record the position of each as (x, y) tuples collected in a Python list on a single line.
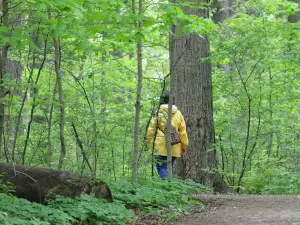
[(138, 97)]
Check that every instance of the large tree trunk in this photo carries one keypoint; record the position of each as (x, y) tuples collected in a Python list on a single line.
[(193, 94), (39, 184), (223, 10)]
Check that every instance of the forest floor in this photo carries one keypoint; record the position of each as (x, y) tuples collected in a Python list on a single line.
[(245, 210)]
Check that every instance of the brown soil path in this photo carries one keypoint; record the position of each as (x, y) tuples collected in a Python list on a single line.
[(245, 210)]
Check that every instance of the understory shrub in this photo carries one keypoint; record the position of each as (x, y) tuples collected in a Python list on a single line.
[(156, 196), (20, 211), (272, 179), (89, 210), (6, 187)]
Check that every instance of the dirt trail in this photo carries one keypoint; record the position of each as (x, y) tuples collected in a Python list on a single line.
[(245, 210)]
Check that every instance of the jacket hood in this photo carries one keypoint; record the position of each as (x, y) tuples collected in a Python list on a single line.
[(164, 107)]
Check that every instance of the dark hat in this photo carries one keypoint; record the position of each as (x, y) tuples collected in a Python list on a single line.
[(164, 99)]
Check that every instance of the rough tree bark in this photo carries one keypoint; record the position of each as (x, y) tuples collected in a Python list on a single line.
[(223, 10), (39, 184), (193, 96)]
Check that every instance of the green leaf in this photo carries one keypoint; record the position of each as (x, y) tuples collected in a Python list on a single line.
[(41, 6), (78, 12), (138, 36), (51, 21), (3, 29)]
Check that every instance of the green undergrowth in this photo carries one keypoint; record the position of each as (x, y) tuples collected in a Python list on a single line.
[(89, 210), (157, 196), (272, 180), (147, 197), (15, 211), (298, 223)]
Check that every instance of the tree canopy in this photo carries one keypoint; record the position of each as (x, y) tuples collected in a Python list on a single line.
[(74, 63)]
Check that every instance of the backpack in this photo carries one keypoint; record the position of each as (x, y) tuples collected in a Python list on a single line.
[(175, 137)]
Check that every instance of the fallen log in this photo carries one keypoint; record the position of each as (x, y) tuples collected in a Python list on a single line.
[(39, 184)]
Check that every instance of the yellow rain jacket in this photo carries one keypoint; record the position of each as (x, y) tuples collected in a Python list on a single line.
[(160, 140)]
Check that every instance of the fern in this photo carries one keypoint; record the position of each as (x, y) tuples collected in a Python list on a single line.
[(155, 196), (90, 210), (20, 211)]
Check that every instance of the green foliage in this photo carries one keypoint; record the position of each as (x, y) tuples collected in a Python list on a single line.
[(157, 196), (173, 14), (258, 89), (256, 96), (273, 7), (148, 196), (20, 211), (98, 69), (90, 210), (298, 223), (272, 178), (6, 187)]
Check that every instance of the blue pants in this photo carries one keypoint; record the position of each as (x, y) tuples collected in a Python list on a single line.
[(161, 166)]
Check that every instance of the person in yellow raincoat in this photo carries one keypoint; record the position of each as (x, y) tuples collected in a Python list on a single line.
[(157, 127)]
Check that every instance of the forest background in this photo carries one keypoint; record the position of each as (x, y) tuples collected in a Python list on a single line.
[(69, 78)]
